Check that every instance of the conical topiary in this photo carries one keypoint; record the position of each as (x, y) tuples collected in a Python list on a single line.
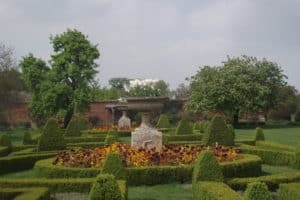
[(52, 137), (75, 126), (163, 121), (216, 131), (113, 165), (105, 187), (27, 138), (230, 135), (207, 168), (184, 127), (196, 126), (111, 137), (259, 134), (5, 141), (257, 191)]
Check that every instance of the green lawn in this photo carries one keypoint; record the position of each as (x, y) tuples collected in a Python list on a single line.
[(16, 135), (289, 136)]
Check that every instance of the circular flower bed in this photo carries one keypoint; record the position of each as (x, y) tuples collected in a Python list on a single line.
[(139, 157)]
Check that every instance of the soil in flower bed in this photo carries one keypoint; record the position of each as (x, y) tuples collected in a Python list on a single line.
[(137, 157)]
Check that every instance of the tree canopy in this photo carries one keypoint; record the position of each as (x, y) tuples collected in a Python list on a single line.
[(241, 84), (63, 87)]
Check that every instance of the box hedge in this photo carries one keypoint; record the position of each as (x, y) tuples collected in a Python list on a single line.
[(257, 190), (75, 126), (34, 193), (27, 139), (188, 137), (4, 151), (272, 181), (184, 127), (245, 141), (94, 132), (113, 165), (105, 187), (87, 145), (52, 137), (274, 146), (5, 142), (163, 122), (111, 137), (270, 156), (88, 138), (297, 157), (214, 191), (259, 135), (289, 191)]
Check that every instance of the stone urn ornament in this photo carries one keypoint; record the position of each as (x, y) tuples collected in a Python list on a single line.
[(124, 122)]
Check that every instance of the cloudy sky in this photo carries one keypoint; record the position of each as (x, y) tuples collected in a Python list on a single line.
[(164, 39)]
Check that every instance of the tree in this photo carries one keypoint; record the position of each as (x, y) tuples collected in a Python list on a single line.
[(119, 83), (62, 88), (11, 82), (147, 88), (102, 93), (242, 84), (182, 91)]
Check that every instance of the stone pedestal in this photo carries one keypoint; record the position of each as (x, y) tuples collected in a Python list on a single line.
[(146, 136), (124, 122)]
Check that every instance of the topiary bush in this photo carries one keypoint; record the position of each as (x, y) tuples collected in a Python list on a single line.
[(75, 126), (5, 142), (105, 187), (184, 127), (259, 134), (163, 122), (196, 126), (230, 135), (297, 157), (207, 168), (113, 165), (216, 132), (27, 138), (52, 137), (257, 190), (111, 137)]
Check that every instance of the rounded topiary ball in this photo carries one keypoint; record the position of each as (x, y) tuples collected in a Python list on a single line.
[(184, 127), (105, 187), (259, 134), (207, 168), (257, 190), (163, 122)]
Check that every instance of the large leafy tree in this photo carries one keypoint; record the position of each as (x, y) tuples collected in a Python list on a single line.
[(148, 88), (120, 84), (63, 87), (241, 84)]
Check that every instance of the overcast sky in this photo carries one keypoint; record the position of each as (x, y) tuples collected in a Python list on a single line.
[(163, 39)]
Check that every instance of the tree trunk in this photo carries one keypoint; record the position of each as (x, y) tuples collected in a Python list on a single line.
[(236, 120), (67, 118)]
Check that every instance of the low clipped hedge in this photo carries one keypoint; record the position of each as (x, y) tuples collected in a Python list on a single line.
[(257, 190), (190, 143), (94, 132), (87, 145), (275, 146), (81, 185), (22, 147), (214, 191), (21, 162), (245, 141), (187, 137), (289, 191), (73, 139), (250, 165), (124, 133), (272, 181), (4, 151), (35, 193), (270, 156)]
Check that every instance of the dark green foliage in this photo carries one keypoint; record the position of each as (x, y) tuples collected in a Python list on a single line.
[(207, 168), (52, 137), (297, 157), (75, 126), (259, 134), (272, 181), (184, 127), (271, 156), (257, 191), (216, 132), (94, 120), (189, 137), (297, 116), (5, 141), (203, 126), (214, 191), (105, 188), (27, 138), (230, 135), (289, 191), (111, 137), (113, 165), (35, 193), (196, 126), (88, 138), (163, 121)]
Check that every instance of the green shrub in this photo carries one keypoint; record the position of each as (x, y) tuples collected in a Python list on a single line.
[(4, 151), (230, 135), (216, 131), (5, 141), (297, 116), (259, 134), (196, 126), (245, 141), (289, 191), (274, 146), (184, 127), (113, 165), (297, 157), (214, 191), (188, 137), (52, 137), (88, 138), (207, 168), (256, 191), (163, 121), (75, 126), (87, 145), (272, 181), (34, 193), (105, 187), (111, 137), (27, 138)]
